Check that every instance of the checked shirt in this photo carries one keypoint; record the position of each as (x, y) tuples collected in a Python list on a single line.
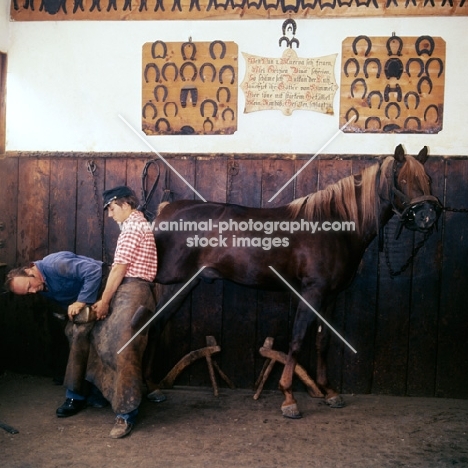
[(136, 248)]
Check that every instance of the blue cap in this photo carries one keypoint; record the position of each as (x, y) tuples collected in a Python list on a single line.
[(115, 193)]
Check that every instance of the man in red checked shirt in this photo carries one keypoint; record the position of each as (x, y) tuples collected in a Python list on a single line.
[(132, 273), (135, 254)]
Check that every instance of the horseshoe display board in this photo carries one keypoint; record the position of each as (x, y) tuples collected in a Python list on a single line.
[(392, 84), (127, 10), (189, 88)]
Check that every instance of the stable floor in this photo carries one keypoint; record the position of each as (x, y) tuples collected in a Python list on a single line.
[(193, 428)]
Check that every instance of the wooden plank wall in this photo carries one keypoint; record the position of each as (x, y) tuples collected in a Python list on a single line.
[(410, 332)]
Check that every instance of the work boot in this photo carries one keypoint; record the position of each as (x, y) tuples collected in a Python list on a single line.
[(70, 408), (121, 428)]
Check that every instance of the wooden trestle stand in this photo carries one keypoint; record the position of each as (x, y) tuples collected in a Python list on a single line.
[(272, 356)]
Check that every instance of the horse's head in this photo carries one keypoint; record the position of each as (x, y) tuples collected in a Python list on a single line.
[(409, 192)]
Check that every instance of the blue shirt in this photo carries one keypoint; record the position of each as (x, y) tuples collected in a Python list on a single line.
[(70, 278)]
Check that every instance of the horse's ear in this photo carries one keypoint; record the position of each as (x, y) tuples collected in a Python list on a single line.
[(400, 154), (422, 156)]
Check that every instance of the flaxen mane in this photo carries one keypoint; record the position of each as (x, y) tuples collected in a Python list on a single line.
[(339, 201)]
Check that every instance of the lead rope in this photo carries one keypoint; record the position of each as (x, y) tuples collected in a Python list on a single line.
[(416, 248), (92, 168)]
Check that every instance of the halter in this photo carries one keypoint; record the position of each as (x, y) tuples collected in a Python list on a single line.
[(412, 207)]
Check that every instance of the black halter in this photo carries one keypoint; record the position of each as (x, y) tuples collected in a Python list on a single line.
[(408, 215)]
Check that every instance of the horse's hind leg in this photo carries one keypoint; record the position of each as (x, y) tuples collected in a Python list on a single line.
[(332, 398)]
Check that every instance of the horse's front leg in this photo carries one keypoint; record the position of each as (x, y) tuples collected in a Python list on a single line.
[(332, 397), (304, 317)]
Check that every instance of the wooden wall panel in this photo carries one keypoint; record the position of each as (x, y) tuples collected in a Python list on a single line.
[(425, 284), (89, 214), (8, 209), (392, 328), (62, 206), (452, 351), (33, 209)]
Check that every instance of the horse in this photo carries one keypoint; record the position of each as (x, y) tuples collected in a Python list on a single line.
[(318, 265)]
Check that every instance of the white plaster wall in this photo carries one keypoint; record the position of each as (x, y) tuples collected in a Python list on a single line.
[(68, 81)]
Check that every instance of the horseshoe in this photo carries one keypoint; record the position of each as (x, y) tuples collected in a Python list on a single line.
[(187, 130), (355, 82), (388, 107), (153, 49), (379, 66), (356, 113), (389, 89), (228, 109), (183, 47), (420, 82), (429, 107), (207, 121), (155, 112), (156, 90), (417, 60), (439, 61), (156, 69), (184, 66), (346, 65), (359, 38), (293, 41), (162, 120), (213, 103), (223, 49), (176, 109), (391, 127), (284, 38), (428, 51), (389, 45), (174, 66), (369, 98), (416, 119), (416, 97), (292, 26), (370, 119), (202, 75), (223, 69), (228, 94)]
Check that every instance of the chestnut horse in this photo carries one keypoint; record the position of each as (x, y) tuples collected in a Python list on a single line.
[(317, 265)]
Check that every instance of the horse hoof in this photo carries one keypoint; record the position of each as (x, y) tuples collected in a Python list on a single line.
[(291, 412), (157, 396), (335, 402)]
